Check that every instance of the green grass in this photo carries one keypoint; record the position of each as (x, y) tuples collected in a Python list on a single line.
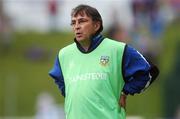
[(25, 78)]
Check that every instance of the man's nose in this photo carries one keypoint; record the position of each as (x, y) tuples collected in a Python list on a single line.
[(77, 26)]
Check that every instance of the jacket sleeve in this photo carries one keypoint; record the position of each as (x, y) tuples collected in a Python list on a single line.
[(138, 73), (56, 74)]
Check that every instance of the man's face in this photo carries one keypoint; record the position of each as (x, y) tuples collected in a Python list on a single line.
[(83, 27)]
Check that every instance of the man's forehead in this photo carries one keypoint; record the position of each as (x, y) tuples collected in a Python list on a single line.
[(78, 16)]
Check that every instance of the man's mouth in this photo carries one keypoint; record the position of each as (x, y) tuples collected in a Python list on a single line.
[(78, 34)]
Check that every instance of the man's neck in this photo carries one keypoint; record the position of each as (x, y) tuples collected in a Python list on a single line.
[(89, 46), (85, 44)]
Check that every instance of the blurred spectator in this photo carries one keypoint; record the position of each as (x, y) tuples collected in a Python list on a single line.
[(156, 20), (176, 6), (140, 31), (36, 53), (177, 115), (116, 31), (53, 12), (5, 31), (46, 108), (148, 27)]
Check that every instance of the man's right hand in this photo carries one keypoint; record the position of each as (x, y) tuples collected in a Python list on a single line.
[(122, 100)]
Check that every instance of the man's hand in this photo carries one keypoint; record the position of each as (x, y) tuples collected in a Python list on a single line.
[(122, 101)]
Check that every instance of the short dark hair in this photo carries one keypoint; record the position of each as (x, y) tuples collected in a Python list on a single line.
[(90, 12)]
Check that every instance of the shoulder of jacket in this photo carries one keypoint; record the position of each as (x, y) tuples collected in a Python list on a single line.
[(114, 43), (67, 48)]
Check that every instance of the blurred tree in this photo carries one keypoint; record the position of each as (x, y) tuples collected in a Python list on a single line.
[(170, 71), (171, 89)]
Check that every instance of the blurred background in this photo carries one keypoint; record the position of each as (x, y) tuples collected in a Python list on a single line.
[(33, 31)]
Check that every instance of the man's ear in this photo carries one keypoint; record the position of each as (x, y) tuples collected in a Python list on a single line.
[(97, 26)]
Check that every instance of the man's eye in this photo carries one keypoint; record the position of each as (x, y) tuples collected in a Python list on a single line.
[(73, 23), (82, 21)]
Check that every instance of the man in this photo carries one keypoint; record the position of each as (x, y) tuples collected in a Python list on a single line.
[(95, 73)]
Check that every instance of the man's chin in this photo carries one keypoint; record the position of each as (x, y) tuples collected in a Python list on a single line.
[(79, 39)]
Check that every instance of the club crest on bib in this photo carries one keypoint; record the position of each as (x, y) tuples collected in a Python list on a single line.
[(104, 60)]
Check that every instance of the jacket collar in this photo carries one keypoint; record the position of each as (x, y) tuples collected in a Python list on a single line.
[(95, 41)]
